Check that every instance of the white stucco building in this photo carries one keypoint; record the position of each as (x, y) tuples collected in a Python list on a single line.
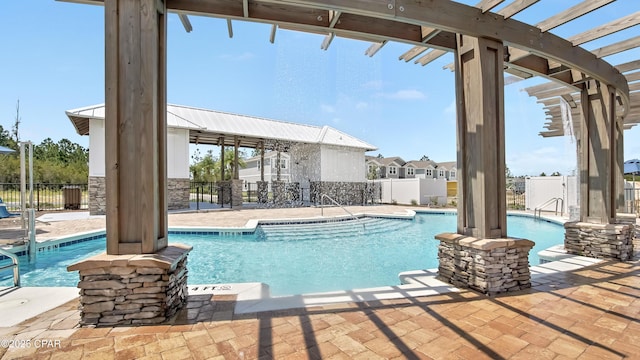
[(313, 155)]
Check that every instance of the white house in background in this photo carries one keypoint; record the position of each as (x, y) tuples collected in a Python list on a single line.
[(386, 168), (396, 168), (251, 172), (313, 154)]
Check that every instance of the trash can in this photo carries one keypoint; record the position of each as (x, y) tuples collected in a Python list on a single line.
[(72, 196)]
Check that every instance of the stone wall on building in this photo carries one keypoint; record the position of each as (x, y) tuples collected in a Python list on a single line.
[(130, 290), (97, 195), (177, 194), (490, 266), (344, 193), (600, 241)]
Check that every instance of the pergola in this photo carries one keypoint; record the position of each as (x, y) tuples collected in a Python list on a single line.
[(486, 44)]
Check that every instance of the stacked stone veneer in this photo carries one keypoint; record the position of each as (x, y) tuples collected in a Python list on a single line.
[(97, 195), (177, 194), (490, 266), (224, 192), (345, 193), (132, 289), (236, 193), (601, 241), (263, 192)]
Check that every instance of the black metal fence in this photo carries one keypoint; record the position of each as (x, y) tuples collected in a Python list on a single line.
[(47, 197), (516, 200)]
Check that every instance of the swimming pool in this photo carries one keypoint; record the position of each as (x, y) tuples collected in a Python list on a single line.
[(301, 258)]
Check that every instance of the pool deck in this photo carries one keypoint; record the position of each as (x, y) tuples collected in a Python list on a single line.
[(578, 308)]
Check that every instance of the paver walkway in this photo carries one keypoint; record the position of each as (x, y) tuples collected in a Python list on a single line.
[(592, 313)]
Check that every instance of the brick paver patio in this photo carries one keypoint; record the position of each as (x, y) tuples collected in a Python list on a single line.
[(591, 313)]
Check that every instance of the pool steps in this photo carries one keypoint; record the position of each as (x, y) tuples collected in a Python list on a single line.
[(338, 229)]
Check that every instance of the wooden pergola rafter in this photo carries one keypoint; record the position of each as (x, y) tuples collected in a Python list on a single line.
[(430, 25)]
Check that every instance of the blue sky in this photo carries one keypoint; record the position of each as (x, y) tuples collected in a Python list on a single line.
[(53, 60)]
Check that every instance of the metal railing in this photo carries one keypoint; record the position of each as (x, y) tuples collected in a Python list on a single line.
[(537, 212), (325, 196), (15, 264), (47, 197)]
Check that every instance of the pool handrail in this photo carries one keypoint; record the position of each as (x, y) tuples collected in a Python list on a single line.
[(538, 209), (323, 196), (15, 265)]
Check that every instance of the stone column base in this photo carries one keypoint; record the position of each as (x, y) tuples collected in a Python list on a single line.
[(490, 266), (263, 192), (278, 189), (600, 241), (224, 192), (236, 193), (132, 289)]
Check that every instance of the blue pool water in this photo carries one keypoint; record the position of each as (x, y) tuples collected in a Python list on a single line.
[(296, 259)]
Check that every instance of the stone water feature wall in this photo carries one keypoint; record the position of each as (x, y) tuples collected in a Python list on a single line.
[(345, 193), (132, 289), (601, 241), (490, 266), (177, 194)]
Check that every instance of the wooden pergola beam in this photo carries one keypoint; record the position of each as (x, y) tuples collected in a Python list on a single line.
[(430, 56), (618, 47), (572, 13), (606, 29), (516, 7), (487, 5)]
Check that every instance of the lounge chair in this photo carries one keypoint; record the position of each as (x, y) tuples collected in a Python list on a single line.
[(4, 213)]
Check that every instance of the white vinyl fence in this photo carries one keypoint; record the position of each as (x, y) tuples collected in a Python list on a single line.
[(413, 191), (542, 190)]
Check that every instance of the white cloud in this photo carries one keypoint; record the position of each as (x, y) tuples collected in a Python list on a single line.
[(361, 105), (407, 95), (327, 108), (451, 109), (373, 85)]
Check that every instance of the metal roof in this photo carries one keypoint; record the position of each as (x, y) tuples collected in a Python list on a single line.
[(217, 128), (6, 150)]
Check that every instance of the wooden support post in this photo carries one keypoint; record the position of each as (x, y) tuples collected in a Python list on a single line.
[(480, 130), (236, 146), (135, 126), (261, 160), (600, 157), (222, 161), (278, 162)]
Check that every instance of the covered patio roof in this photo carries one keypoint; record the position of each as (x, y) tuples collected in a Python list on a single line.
[(217, 128)]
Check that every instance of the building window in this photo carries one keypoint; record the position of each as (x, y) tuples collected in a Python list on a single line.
[(441, 173), (259, 164), (429, 172), (283, 163), (410, 171), (452, 174), (393, 170)]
